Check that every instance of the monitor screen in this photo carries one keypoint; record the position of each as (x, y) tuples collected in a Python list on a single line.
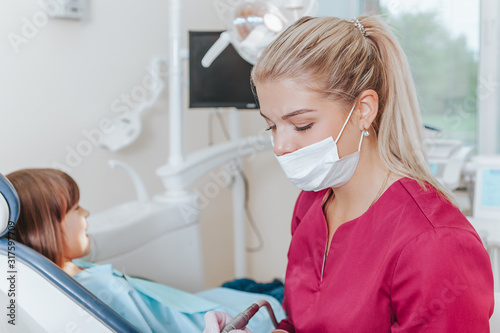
[(226, 83), (490, 193), (486, 193)]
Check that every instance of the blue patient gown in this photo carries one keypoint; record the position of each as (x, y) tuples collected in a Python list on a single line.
[(153, 307)]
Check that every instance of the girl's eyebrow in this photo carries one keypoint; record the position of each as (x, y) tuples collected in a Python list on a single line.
[(296, 112), (291, 114)]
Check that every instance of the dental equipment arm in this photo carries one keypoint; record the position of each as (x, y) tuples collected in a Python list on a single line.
[(140, 187), (242, 319)]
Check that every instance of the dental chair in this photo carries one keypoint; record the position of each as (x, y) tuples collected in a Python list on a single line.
[(36, 295)]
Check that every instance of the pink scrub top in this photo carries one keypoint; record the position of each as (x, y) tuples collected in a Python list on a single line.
[(411, 263)]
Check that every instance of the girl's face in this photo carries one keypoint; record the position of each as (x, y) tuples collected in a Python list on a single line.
[(76, 243), (298, 118)]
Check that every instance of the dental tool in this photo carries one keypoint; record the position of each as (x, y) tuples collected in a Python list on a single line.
[(241, 320)]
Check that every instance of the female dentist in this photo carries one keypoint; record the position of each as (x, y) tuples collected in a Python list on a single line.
[(377, 243)]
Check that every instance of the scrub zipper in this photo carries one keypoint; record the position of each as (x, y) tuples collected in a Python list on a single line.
[(323, 206), (324, 262)]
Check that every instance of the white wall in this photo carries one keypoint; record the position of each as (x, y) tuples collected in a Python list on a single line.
[(63, 81)]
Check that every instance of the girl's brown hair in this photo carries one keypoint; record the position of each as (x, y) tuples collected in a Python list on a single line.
[(46, 196), (332, 57)]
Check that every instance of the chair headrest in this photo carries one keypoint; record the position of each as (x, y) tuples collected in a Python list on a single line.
[(9, 206)]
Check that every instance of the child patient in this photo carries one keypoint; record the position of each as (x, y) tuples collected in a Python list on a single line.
[(52, 223)]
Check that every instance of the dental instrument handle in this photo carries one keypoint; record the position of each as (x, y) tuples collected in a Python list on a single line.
[(241, 320)]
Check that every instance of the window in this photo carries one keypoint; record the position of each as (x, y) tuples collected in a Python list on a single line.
[(441, 40)]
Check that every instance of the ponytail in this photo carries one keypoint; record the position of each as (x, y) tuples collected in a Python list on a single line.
[(400, 139)]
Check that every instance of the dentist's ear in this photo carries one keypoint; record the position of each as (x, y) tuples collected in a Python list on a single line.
[(368, 109)]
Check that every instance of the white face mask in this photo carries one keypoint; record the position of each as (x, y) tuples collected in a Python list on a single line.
[(318, 166)]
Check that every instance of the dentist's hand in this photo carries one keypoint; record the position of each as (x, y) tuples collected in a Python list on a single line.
[(216, 320)]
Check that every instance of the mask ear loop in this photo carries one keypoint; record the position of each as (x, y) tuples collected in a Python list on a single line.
[(360, 141), (345, 123)]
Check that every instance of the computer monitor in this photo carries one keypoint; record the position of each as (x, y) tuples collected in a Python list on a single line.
[(487, 188), (226, 83)]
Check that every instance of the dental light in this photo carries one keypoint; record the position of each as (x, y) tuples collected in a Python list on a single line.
[(252, 25)]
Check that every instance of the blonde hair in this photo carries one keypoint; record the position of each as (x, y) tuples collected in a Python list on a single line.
[(333, 57)]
